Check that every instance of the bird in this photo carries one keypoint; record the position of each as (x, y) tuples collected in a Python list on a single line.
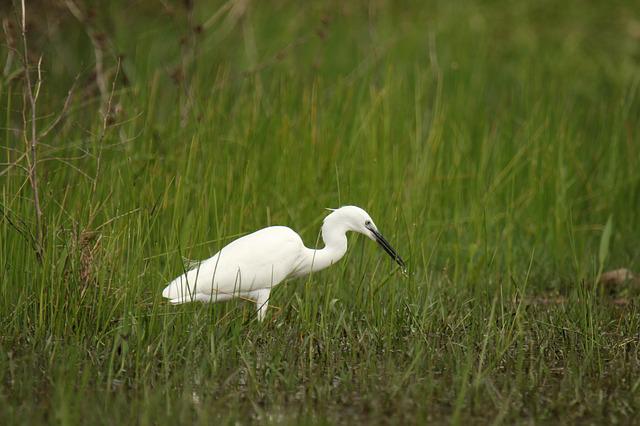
[(251, 266)]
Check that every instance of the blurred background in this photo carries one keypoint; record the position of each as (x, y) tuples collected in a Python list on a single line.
[(495, 143)]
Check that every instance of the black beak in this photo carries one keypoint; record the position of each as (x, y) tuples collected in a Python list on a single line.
[(387, 247)]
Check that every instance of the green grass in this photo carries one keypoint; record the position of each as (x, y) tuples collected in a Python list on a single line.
[(490, 142)]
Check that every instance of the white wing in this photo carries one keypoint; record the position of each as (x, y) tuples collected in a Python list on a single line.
[(256, 261)]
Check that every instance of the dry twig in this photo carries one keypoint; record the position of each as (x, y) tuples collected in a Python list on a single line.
[(97, 40), (32, 144)]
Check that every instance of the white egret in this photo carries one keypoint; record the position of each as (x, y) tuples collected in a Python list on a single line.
[(251, 266)]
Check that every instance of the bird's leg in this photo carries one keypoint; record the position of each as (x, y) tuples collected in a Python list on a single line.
[(262, 302)]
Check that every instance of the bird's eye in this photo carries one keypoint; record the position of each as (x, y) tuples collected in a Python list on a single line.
[(367, 223)]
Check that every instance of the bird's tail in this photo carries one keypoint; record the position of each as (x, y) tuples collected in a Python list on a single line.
[(180, 288)]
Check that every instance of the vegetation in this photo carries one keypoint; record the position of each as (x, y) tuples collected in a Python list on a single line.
[(496, 144)]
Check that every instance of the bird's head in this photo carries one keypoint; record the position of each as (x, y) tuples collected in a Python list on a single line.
[(357, 220)]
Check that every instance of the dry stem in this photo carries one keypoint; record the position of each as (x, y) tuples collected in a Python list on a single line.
[(32, 145)]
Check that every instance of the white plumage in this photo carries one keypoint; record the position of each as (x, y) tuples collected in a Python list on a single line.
[(252, 265)]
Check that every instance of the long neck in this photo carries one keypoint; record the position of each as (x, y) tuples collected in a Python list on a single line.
[(335, 246)]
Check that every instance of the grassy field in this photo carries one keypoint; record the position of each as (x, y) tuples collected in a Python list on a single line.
[(490, 141)]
